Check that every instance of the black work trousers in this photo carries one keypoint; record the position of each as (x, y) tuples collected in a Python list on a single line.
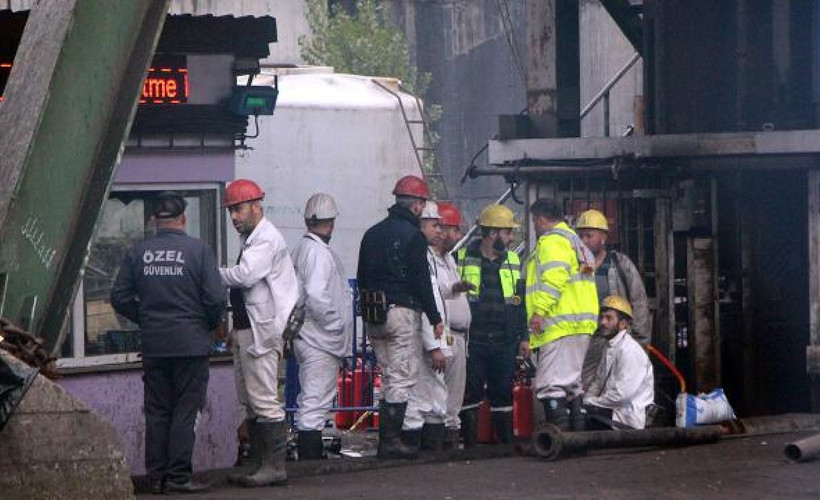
[(175, 391), (490, 365)]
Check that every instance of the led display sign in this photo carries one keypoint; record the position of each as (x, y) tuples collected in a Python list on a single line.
[(165, 83), (5, 69)]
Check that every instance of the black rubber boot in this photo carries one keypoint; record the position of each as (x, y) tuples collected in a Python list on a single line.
[(251, 461), (556, 413), (412, 439), (451, 439), (432, 437), (391, 418), (270, 449), (502, 427), (577, 415), (310, 445), (469, 427)]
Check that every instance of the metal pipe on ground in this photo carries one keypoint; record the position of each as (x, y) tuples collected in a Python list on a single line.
[(803, 450), (549, 443)]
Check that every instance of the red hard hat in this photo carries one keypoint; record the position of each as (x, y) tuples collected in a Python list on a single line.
[(242, 190), (450, 214), (410, 185)]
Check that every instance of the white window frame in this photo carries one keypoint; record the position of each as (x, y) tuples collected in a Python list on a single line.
[(77, 324)]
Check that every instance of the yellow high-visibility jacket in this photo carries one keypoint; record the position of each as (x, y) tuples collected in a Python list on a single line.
[(558, 290)]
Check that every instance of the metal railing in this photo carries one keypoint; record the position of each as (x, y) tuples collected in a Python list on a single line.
[(603, 94)]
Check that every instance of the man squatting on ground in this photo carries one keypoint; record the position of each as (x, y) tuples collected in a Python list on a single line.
[(264, 290), (327, 334), (625, 386), (394, 280), (423, 426), (458, 317), (169, 285)]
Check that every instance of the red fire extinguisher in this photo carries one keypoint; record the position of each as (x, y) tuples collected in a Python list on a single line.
[(344, 386), (522, 409), (377, 392), (354, 391), (485, 426)]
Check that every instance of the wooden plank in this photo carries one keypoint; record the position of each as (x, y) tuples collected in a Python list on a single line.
[(702, 330), (813, 350), (664, 332)]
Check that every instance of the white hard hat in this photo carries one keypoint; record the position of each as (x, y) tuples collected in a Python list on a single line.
[(430, 210), (321, 206)]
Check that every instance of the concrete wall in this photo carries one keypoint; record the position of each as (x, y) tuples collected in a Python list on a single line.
[(604, 51), (117, 397)]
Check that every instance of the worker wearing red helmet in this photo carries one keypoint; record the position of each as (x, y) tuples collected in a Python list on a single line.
[(264, 290), (453, 290), (395, 287)]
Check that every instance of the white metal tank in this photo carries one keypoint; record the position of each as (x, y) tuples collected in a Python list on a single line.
[(335, 133)]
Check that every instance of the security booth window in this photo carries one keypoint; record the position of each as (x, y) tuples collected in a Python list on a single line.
[(124, 220)]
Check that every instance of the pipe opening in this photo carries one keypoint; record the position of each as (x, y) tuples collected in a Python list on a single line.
[(793, 452)]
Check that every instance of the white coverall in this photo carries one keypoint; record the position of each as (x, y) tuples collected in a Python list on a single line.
[(428, 398), (327, 334), (458, 322), (624, 383), (270, 290)]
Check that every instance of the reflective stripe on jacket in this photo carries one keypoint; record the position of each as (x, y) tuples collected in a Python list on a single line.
[(469, 267), (558, 290)]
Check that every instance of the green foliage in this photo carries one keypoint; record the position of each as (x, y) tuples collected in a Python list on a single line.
[(363, 43)]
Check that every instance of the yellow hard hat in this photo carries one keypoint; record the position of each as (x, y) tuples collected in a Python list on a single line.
[(497, 216), (592, 219), (617, 303)]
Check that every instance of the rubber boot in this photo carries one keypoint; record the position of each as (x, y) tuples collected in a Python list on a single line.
[(310, 445), (451, 439), (502, 427), (432, 437), (391, 418), (251, 462), (577, 415), (556, 413), (469, 427), (412, 439), (270, 448)]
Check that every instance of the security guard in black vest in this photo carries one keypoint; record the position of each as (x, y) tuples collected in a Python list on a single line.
[(498, 332), (170, 286)]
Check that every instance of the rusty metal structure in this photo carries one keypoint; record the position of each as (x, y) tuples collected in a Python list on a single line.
[(714, 187)]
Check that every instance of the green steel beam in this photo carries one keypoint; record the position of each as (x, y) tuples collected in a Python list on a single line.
[(68, 107)]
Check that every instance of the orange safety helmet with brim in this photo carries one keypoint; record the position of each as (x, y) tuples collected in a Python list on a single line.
[(413, 186), (242, 190), (450, 214)]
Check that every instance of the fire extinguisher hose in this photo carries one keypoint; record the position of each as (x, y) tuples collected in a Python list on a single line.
[(668, 364)]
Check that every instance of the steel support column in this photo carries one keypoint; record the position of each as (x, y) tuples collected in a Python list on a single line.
[(68, 107)]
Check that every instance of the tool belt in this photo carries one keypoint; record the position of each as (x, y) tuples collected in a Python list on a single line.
[(374, 307)]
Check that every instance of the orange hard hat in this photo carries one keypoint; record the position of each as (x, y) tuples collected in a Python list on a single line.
[(450, 214), (242, 190), (410, 185)]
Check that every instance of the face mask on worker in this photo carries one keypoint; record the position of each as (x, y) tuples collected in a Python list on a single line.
[(499, 245)]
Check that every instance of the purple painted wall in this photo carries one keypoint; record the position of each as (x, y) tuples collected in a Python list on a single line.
[(175, 166), (117, 396)]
